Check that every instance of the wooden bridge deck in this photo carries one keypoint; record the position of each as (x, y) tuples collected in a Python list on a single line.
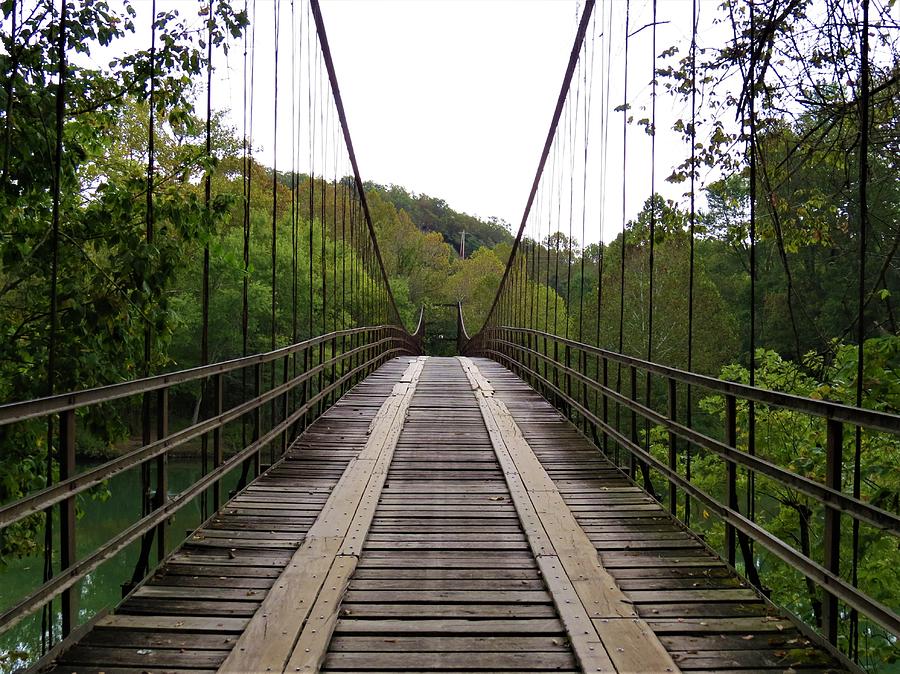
[(443, 517)]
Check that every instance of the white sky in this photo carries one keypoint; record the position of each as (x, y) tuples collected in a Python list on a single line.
[(453, 98)]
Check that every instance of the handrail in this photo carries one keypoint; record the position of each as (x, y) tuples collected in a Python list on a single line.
[(61, 402), (354, 353), (863, 510), (65, 580), (526, 351), (858, 416), (63, 489)]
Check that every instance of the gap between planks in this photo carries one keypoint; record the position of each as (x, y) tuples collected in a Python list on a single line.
[(604, 629), (293, 625)]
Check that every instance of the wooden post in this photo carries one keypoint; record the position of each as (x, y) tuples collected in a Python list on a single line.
[(67, 519), (833, 471), (731, 473)]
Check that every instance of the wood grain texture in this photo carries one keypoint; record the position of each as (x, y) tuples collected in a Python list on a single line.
[(446, 580), (696, 606), (268, 642), (582, 589), (215, 582), (469, 528)]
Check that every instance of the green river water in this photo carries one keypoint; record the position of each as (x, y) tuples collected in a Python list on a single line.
[(99, 521)]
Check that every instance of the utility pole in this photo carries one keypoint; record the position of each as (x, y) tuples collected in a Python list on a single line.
[(462, 246)]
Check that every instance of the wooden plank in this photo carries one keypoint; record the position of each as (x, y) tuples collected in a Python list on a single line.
[(173, 623), (309, 652), (447, 626), (269, 639), (582, 588), (517, 662)]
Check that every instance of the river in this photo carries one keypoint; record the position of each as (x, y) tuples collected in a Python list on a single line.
[(99, 521)]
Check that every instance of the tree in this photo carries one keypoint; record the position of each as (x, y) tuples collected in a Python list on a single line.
[(112, 280)]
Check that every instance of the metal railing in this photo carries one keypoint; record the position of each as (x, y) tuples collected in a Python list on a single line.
[(576, 378), (333, 362)]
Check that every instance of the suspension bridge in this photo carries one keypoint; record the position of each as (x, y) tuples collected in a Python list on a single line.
[(498, 510)]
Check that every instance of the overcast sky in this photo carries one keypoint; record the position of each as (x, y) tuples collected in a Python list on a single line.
[(453, 98)]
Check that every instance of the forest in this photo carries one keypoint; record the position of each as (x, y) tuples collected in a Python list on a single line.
[(113, 281)]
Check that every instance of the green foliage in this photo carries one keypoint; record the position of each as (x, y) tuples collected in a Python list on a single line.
[(113, 280), (434, 215), (796, 441)]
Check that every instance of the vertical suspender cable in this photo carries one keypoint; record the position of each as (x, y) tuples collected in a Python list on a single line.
[(245, 281), (149, 235), (751, 406), (294, 190), (573, 130), (604, 122), (645, 469), (863, 98), (693, 223), (584, 180), (324, 121), (207, 195), (311, 123), (334, 212), (624, 210), (204, 292), (653, 216), (274, 246), (47, 615)]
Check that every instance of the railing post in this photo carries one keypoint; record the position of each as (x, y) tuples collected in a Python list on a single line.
[(731, 474), (304, 394), (285, 405), (162, 469), (257, 417), (834, 447), (218, 392), (67, 519), (632, 459), (673, 447), (555, 363), (606, 407), (335, 393), (584, 359)]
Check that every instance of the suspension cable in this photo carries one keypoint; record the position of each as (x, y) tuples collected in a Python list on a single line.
[(204, 292), (863, 97), (624, 211), (751, 405), (47, 615), (653, 216), (693, 222)]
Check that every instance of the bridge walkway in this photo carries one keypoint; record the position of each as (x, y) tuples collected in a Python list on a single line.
[(444, 517)]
